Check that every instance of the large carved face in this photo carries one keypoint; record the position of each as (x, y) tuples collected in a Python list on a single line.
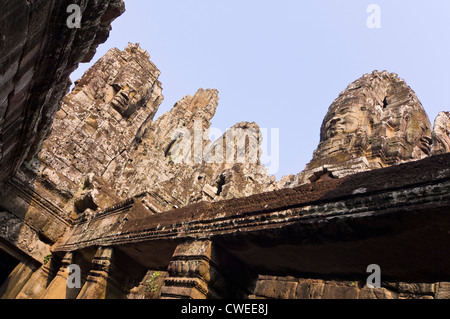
[(441, 134), (122, 81), (347, 116), (126, 89), (344, 120), (377, 116), (123, 98)]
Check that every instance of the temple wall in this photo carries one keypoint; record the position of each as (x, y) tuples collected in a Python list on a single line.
[(273, 287)]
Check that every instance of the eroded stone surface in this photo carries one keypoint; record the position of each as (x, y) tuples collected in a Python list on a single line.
[(105, 131), (377, 121), (441, 134), (146, 187), (37, 54), (302, 288)]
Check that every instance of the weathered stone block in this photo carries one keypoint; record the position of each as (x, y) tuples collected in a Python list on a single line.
[(336, 291), (377, 293), (417, 288), (276, 289), (443, 290), (309, 289)]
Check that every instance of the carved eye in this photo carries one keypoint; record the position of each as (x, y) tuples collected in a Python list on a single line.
[(344, 110)]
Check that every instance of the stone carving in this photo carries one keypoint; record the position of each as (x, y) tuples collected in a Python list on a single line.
[(10, 226), (441, 134), (379, 117), (126, 83), (108, 168), (376, 122), (105, 147), (98, 124), (21, 235), (36, 59), (197, 271)]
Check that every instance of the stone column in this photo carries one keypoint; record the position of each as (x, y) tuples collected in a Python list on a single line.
[(58, 289), (97, 281), (38, 282), (112, 275), (189, 272), (16, 281), (200, 270)]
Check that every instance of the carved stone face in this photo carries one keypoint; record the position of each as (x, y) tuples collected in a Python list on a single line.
[(123, 98), (441, 134), (346, 120), (126, 80), (378, 117), (126, 89)]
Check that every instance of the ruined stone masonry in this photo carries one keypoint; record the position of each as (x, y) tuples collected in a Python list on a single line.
[(376, 122), (152, 208), (37, 55)]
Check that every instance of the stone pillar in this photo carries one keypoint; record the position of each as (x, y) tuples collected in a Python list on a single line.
[(189, 271), (38, 282), (96, 283), (112, 275), (16, 281), (200, 270), (58, 289)]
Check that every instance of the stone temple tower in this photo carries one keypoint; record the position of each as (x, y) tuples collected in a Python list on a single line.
[(377, 121)]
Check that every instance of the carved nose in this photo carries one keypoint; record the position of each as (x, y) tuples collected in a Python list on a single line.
[(333, 121)]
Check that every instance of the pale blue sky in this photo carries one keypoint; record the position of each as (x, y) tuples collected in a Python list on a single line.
[(281, 64)]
